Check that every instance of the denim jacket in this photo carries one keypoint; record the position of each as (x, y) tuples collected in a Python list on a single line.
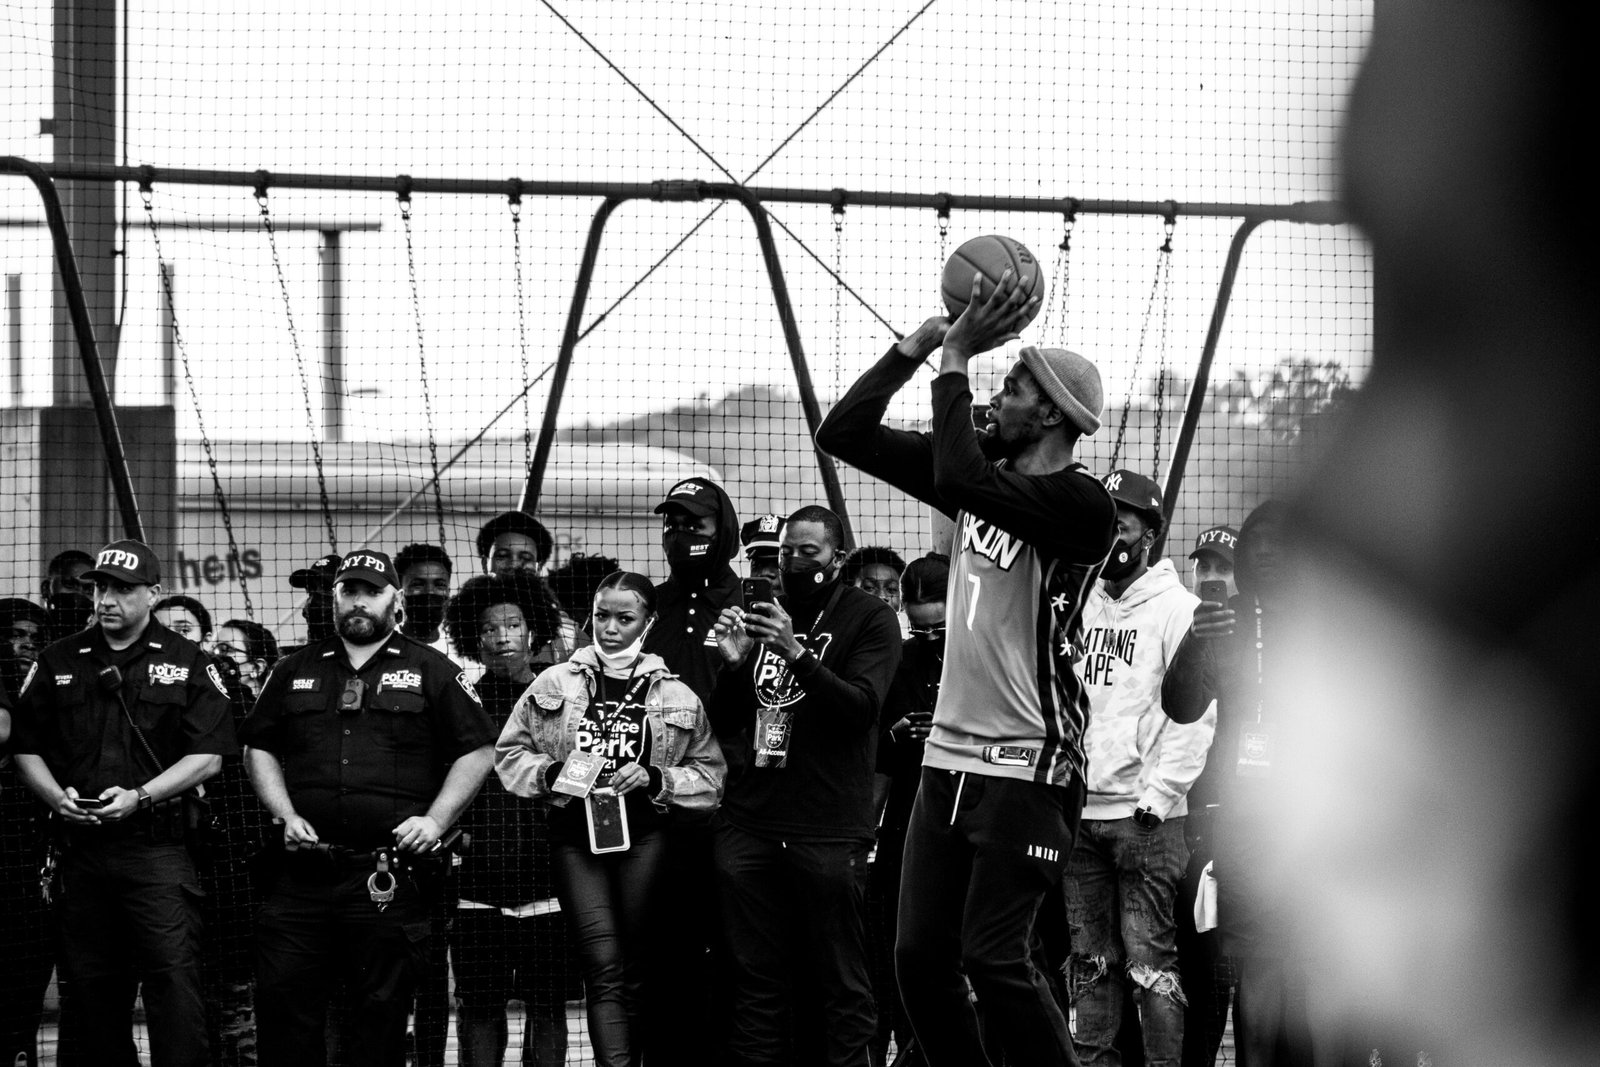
[(543, 728)]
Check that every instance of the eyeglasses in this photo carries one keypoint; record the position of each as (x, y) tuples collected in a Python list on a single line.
[(930, 632)]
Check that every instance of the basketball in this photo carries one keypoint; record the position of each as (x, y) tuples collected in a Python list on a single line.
[(990, 255)]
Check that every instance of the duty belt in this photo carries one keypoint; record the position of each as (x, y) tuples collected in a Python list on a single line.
[(386, 861)]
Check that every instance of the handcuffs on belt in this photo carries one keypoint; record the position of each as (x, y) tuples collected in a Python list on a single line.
[(381, 883)]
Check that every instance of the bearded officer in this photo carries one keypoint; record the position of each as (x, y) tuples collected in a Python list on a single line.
[(367, 746)]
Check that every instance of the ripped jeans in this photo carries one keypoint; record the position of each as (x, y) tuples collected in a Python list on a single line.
[(1121, 884)]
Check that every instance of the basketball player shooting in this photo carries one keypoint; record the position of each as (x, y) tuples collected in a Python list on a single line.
[(1002, 783)]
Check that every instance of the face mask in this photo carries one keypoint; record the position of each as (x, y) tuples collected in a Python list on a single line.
[(623, 658), (424, 612), (319, 618), (1124, 560), (805, 579), (69, 613), (688, 552)]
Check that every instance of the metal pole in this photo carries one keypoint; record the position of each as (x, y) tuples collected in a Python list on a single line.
[(330, 271), (1323, 212), (797, 358), (14, 335), (569, 344), (83, 123), (1202, 379), (105, 414)]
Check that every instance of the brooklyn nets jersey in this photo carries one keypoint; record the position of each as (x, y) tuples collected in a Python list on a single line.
[(1010, 703), (1027, 551)]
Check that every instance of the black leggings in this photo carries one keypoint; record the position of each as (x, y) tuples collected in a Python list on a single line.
[(607, 900)]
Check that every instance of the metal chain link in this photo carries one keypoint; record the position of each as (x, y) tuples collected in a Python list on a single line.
[(194, 397), (838, 301), (522, 330), (422, 362), (1056, 310), (300, 366), (1161, 281), (1161, 350)]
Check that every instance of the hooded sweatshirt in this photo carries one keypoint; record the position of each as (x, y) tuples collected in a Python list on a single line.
[(688, 603), (1138, 758)]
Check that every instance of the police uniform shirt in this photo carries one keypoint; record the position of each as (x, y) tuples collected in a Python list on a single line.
[(69, 716), (356, 774)]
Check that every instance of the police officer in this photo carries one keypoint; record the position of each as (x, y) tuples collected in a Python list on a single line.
[(114, 726), (367, 746)]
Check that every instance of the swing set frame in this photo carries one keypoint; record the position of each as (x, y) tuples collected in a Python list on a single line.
[(613, 195)]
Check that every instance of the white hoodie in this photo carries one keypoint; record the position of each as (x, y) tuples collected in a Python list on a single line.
[(1137, 756)]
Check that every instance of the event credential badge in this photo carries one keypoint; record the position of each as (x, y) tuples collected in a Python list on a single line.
[(578, 774), (1255, 751)]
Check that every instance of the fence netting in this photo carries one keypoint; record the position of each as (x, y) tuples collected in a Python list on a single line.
[(306, 371)]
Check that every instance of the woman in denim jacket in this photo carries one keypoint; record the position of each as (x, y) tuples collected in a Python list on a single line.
[(614, 705)]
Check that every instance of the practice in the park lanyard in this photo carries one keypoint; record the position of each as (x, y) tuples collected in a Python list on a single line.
[(1255, 738), (775, 726), (630, 689), (816, 624)]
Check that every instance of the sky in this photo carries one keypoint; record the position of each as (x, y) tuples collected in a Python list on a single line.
[(1232, 102)]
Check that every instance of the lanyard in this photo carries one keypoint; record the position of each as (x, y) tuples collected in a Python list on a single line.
[(630, 690), (816, 624), (1261, 666)]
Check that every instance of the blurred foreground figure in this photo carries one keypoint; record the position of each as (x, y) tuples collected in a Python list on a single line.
[(1444, 822)]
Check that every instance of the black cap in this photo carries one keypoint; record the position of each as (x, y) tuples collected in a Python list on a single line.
[(367, 565), (1134, 490), (126, 561), (697, 496), (1219, 540), (318, 576), (760, 536)]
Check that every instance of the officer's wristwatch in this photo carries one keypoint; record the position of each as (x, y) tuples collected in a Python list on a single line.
[(1146, 818), (144, 798)]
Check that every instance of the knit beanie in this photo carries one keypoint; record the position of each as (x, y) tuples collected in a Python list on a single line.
[(1070, 381)]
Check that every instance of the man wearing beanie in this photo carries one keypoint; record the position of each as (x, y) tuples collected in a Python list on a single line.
[(1003, 775)]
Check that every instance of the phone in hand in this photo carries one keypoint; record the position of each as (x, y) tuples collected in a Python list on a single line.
[(1214, 591), (90, 803), (756, 591), (608, 822)]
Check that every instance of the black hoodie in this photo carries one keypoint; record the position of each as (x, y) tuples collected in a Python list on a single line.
[(687, 606)]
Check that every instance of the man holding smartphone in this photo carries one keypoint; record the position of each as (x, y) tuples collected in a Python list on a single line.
[(1130, 853), (114, 725), (801, 696)]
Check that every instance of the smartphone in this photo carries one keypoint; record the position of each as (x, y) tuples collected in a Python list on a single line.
[(757, 591), (90, 803), (1214, 591), (608, 822)]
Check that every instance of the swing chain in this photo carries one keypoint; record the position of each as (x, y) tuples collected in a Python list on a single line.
[(1056, 310), (514, 199), (1165, 282), (404, 197), (944, 228), (147, 194), (838, 292), (299, 360), (1161, 286)]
